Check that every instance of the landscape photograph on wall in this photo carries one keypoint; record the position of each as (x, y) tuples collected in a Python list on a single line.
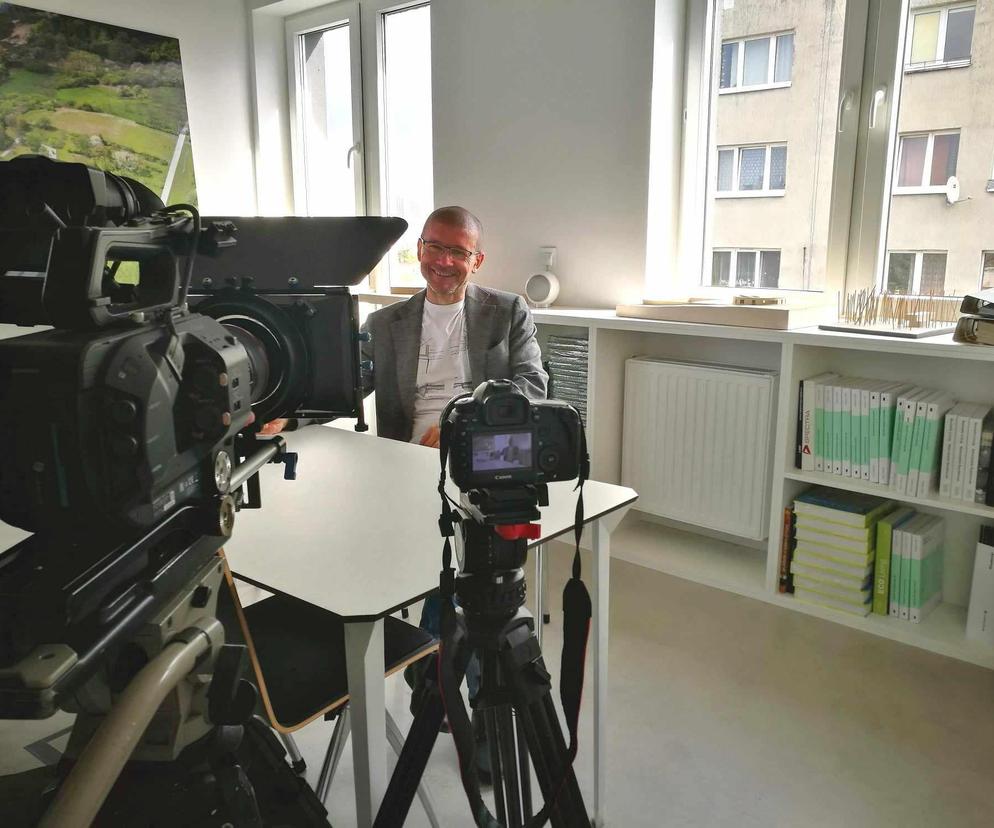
[(106, 96)]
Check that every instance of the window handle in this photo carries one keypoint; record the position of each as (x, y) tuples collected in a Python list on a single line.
[(845, 104), (879, 96), (355, 149)]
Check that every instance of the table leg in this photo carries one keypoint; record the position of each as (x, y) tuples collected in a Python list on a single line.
[(539, 552), (601, 537), (367, 691)]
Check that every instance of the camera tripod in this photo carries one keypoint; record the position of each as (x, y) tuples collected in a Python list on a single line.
[(514, 696)]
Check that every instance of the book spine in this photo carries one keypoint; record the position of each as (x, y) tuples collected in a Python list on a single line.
[(928, 472), (959, 447), (904, 591), (786, 543), (947, 452), (915, 579), (972, 456), (808, 424), (874, 442), (864, 434), (917, 441), (798, 454), (980, 614), (896, 432), (893, 608), (846, 413), (837, 429), (856, 433), (881, 568), (819, 426), (886, 435), (904, 456)]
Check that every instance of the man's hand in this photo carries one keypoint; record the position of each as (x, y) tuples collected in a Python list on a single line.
[(273, 427), (430, 437)]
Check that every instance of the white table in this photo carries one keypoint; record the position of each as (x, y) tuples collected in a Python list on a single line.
[(357, 534)]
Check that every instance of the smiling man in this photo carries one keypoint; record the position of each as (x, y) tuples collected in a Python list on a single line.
[(448, 338)]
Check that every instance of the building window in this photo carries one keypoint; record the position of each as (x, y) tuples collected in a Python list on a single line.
[(926, 161), (756, 63), (752, 171), (987, 270), (745, 268), (940, 38), (362, 142), (916, 272)]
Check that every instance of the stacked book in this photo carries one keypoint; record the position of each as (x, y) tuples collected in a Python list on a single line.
[(834, 548), (909, 562), (567, 357)]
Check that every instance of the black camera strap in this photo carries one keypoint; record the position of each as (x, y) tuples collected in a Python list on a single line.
[(577, 613)]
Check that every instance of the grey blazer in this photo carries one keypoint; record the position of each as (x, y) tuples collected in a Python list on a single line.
[(501, 338)]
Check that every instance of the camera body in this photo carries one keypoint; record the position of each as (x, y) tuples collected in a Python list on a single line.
[(499, 438)]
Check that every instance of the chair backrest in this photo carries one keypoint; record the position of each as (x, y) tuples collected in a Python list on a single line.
[(297, 653)]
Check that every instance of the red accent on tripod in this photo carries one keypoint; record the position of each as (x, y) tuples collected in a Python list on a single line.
[(513, 531)]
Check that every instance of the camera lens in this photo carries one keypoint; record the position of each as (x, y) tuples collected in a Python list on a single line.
[(258, 358)]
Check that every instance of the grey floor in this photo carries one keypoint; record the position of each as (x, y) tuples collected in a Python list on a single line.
[(729, 711)]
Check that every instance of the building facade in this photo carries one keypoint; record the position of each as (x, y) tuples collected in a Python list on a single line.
[(774, 129)]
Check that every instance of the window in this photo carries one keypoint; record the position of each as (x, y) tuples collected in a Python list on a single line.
[(987, 270), (926, 162), (865, 129), (756, 63), (940, 38), (408, 188), (752, 171), (745, 268), (360, 92), (916, 272)]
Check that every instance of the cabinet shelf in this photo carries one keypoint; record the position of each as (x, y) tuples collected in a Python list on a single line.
[(943, 631), (850, 485)]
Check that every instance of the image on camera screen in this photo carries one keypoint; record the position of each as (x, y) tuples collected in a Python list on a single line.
[(499, 452)]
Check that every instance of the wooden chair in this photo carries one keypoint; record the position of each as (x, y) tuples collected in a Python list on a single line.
[(297, 652)]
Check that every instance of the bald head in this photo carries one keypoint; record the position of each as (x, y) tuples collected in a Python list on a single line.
[(459, 218)]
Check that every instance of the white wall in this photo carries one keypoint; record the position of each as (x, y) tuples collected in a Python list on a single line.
[(214, 44), (541, 127)]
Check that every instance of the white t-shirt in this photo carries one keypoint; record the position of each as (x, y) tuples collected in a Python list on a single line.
[(443, 363)]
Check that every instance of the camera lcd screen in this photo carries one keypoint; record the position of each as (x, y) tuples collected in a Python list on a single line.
[(502, 452)]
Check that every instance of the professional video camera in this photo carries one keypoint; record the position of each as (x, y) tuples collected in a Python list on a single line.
[(503, 449), (130, 432)]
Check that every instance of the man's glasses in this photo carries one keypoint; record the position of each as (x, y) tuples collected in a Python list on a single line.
[(435, 250)]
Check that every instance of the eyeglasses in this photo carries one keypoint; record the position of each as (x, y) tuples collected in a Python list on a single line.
[(436, 251)]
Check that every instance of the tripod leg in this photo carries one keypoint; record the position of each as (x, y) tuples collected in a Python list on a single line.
[(504, 725), (490, 725), (524, 769), (428, 716)]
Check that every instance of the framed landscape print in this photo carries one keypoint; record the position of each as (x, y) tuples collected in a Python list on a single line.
[(106, 96)]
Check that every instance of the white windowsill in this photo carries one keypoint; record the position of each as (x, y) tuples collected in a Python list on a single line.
[(919, 191), (752, 194), (912, 68), (759, 87)]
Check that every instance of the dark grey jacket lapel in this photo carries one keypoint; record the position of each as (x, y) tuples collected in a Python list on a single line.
[(479, 331), (405, 331)]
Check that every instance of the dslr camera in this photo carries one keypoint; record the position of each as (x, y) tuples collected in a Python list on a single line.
[(498, 438)]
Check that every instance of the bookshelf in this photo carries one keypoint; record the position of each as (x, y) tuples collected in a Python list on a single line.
[(737, 565)]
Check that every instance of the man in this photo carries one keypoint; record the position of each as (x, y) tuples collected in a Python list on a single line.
[(447, 339)]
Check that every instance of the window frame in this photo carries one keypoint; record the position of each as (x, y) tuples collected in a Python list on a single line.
[(770, 64), (916, 271), (367, 56), (735, 192), (983, 257), (938, 62), (733, 267), (923, 189)]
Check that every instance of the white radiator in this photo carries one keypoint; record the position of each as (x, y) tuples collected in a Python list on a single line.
[(698, 443)]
